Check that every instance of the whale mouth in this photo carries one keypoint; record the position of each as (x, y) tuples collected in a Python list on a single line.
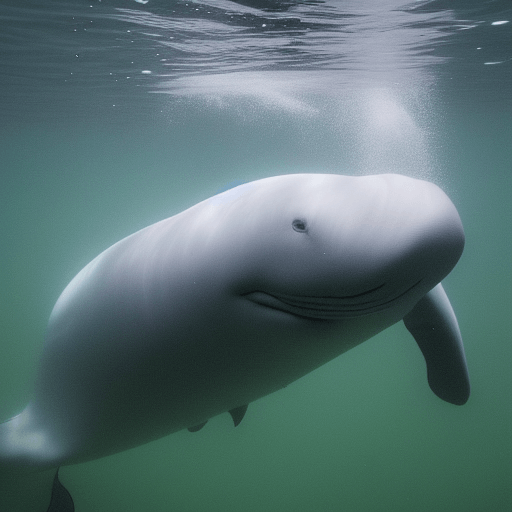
[(328, 307)]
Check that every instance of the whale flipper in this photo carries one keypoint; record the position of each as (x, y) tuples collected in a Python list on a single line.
[(61, 499), (197, 428), (434, 326), (238, 414)]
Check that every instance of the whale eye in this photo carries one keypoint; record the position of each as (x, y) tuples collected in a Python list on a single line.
[(300, 225)]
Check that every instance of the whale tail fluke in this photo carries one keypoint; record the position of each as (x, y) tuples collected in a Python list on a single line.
[(61, 500), (38, 491), (29, 481), (34, 492)]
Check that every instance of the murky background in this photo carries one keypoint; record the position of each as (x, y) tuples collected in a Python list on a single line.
[(116, 114)]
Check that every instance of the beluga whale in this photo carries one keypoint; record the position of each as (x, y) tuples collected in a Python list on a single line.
[(230, 300)]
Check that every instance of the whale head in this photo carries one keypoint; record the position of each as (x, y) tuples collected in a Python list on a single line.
[(334, 247)]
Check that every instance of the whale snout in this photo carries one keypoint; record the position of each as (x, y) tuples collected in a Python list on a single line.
[(436, 236), (385, 242)]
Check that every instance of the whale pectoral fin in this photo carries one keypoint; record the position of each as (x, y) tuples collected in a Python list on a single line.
[(238, 414), (434, 326), (61, 499), (197, 427)]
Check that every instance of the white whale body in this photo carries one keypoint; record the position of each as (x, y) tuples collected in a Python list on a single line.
[(226, 302)]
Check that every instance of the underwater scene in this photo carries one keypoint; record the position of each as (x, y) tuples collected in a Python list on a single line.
[(117, 114)]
